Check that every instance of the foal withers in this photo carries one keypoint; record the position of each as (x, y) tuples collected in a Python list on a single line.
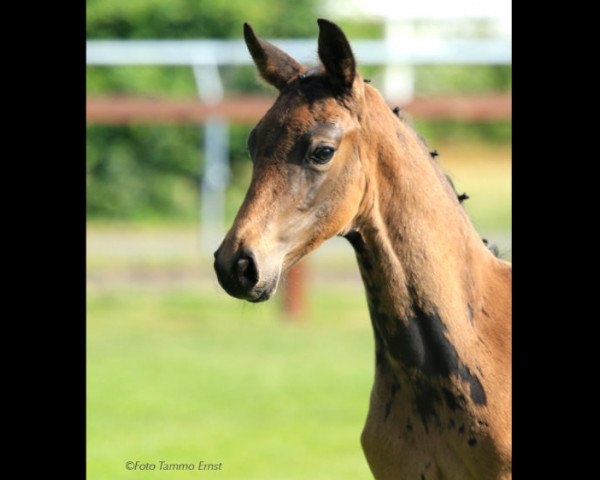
[(331, 158)]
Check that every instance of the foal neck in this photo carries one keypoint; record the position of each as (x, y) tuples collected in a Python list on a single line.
[(422, 262)]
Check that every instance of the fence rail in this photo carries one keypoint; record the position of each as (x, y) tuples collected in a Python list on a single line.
[(247, 109), (466, 51)]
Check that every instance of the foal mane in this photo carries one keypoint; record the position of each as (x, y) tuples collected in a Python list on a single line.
[(444, 177)]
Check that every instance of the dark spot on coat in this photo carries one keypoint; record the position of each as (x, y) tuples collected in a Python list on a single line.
[(477, 392), (472, 442), (388, 407), (381, 361), (426, 399), (461, 429), (453, 400), (409, 427), (420, 343)]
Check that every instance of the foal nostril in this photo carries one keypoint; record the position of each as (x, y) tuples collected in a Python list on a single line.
[(246, 270)]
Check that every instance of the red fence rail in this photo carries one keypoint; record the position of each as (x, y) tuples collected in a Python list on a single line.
[(248, 109)]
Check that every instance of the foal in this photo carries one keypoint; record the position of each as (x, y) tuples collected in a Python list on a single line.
[(331, 158)]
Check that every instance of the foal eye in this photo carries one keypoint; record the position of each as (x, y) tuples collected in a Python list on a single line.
[(322, 154)]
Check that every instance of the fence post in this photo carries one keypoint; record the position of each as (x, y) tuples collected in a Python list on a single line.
[(294, 297), (216, 152), (214, 182)]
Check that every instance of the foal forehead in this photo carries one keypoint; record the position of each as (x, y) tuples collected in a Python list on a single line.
[(309, 98)]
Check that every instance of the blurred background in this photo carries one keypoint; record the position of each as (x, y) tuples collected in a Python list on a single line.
[(177, 370)]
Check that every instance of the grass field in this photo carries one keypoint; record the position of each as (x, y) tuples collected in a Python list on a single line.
[(188, 374), (179, 372)]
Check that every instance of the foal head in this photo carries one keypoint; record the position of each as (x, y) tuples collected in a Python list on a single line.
[(307, 180)]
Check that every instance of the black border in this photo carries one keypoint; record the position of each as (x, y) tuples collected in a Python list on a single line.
[(46, 130)]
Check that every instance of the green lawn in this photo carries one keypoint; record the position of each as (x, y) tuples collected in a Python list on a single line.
[(189, 374)]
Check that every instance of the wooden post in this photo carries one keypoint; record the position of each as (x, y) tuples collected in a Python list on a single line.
[(294, 301)]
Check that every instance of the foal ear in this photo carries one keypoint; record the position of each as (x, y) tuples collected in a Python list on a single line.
[(274, 65), (336, 54)]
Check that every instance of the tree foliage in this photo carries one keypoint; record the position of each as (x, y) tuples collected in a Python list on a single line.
[(180, 19)]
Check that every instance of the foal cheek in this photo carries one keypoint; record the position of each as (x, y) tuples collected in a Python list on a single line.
[(346, 195), (304, 187)]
